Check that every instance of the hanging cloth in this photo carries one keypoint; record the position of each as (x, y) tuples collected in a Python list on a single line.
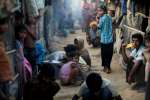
[(124, 7), (32, 9), (133, 6)]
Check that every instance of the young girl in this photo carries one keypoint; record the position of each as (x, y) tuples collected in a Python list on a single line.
[(25, 67), (69, 70), (29, 44), (106, 35)]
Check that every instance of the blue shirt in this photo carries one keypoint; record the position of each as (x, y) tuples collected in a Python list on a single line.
[(105, 29), (40, 53)]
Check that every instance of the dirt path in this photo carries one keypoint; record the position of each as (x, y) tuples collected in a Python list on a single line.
[(117, 77)]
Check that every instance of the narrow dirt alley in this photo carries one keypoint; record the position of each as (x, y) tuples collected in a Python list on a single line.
[(117, 76)]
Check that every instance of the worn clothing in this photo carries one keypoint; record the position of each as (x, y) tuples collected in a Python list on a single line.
[(66, 70), (85, 55), (4, 91), (5, 74), (132, 21), (25, 68), (5, 70), (104, 94), (20, 55), (33, 7), (29, 41), (92, 33), (30, 54), (124, 7), (40, 4), (105, 29), (83, 52), (40, 53), (106, 83), (138, 55), (40, 90), (106, 54), (140, 72)]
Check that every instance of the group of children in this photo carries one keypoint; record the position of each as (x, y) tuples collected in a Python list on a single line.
[(27, 57), (77, 56), (94, 87), (136, 71)]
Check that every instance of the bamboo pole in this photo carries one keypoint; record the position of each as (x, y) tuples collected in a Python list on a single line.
[(131, 28)]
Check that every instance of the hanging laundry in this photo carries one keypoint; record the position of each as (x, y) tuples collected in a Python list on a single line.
[(133, 6), (124, 7), (32, 9)]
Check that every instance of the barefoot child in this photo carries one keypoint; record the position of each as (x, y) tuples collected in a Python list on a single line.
[(106, 37)]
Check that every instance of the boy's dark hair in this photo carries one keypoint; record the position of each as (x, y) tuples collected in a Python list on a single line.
[(3, 20), (70, 50), (103, 6), (94, 82), (139, 37), (18, 29), (47, 69)]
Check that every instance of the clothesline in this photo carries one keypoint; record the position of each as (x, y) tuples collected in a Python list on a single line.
[(131, 28)]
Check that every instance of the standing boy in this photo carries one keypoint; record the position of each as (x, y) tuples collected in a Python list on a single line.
[(105, 30)]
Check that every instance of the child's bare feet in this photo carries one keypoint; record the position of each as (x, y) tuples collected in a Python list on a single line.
[(109, 71), (105, 69)]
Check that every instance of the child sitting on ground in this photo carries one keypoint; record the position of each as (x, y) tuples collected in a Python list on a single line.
[(79, 43), (97, 88), (44, 86), (70, 70)]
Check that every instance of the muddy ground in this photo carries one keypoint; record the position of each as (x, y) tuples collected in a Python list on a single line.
[(117, 76)]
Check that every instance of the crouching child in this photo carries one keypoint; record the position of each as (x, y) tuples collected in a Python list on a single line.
[(44, 86)]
